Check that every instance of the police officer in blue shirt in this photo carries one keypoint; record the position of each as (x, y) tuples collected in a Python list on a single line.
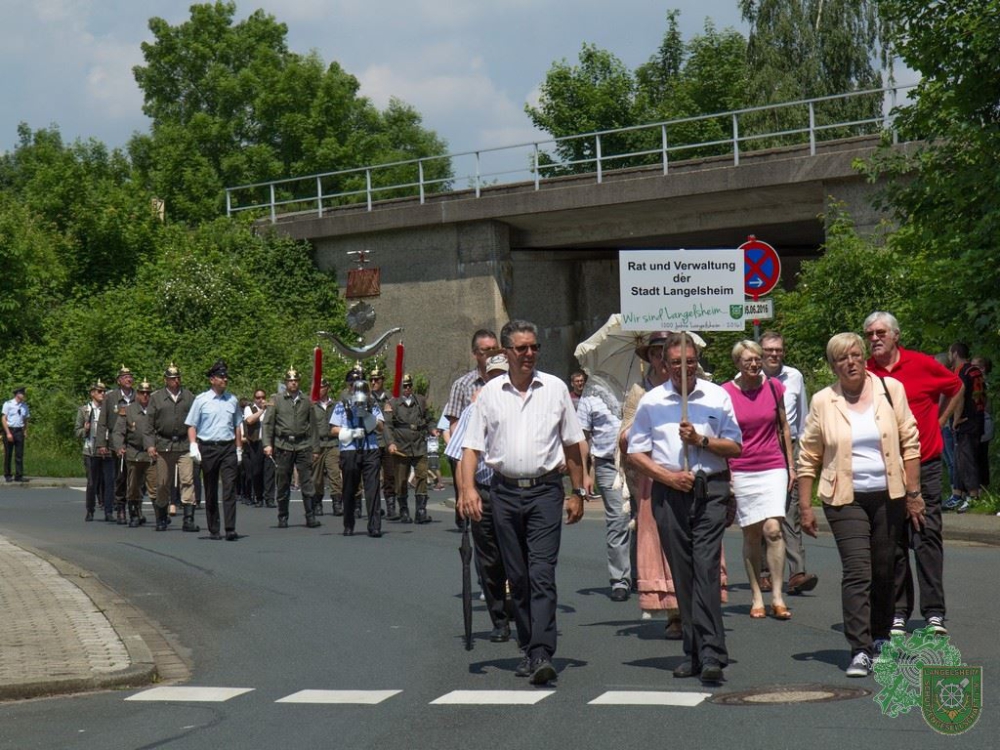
[(15, 430), (356, 421), (216, 440)]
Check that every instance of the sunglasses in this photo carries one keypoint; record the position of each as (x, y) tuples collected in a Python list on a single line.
[(525, 348)]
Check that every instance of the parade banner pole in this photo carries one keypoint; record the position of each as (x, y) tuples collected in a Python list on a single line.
[(684, 389)]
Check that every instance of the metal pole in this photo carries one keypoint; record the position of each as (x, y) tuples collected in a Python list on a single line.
[(663, 140), (736, 142), (812, 129), (229, 203), (537, 176), (274, 217), (477, 174), (319, 195), (420, 179), (368, 187), (597, 140), (684, 389)]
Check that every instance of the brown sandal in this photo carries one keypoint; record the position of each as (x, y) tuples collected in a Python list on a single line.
[(780, 612), (757, 613)]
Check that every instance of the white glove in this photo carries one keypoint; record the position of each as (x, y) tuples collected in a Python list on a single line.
[(346, 435), (194, 452), (239, 455), (359, 433)]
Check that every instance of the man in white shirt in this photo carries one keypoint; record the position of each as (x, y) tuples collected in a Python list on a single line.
[(796, 409), (525, 425)]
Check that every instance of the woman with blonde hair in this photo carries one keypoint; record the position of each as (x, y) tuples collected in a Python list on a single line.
[(861, 440), (763, 474)]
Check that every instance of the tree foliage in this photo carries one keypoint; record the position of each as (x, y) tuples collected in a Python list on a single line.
[(230, 104)]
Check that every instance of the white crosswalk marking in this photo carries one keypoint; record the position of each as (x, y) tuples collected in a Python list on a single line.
[(357, 697), (648, 698), (189, 694), (492, 697)]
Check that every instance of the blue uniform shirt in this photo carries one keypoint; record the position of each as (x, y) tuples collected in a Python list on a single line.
[(213, 417), (16, 413), (342, 418)]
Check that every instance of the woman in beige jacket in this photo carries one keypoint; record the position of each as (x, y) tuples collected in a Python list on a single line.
[(861, 440)]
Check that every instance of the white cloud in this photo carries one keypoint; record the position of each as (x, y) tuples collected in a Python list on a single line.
[(110, 81)]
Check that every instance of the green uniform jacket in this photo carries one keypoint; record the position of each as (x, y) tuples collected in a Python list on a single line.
[(129, 431), (321, 423), (165, 428), (406, 426), (114, 407), (384, 401), (290, 424)]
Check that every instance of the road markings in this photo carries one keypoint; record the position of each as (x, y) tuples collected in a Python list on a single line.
[(357, 697), (491, 698), (648, 698), (189, 694)]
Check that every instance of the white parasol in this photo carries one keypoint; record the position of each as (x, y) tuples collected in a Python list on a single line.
[(609, 359)]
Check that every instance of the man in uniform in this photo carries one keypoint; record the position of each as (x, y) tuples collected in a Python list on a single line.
[(383, 398), (166, 443), (406, 433), (99, 469), (253, 451), (15, 429), (115, 403), (355, 421), (525, 425), (140, 467), (289, 437), (326, 464), (689, 501), (216, 440), (926, 382)]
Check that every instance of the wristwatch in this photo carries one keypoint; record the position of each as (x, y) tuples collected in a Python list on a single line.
[(913, 493), (581, 492), (704, 441)]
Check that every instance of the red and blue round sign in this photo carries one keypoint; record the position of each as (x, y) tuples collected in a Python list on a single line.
[(761, 267)]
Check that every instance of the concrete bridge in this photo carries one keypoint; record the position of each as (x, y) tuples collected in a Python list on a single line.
[(455, 262)]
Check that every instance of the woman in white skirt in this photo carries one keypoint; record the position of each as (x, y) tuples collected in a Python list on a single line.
[(763, 474)]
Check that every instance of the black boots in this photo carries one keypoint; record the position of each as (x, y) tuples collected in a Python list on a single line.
[(391, 514), (162, 519), (404, 511), (189, 524), (318, 505), (338, 505), (422, 516)]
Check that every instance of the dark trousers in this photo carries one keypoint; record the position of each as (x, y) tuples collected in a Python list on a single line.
[(691, 535), (388, 464), (286, 461), (270, 485), (983, 462), (218, 462), (121, 481), (253, 470), (13, 450), (966, 477), (528, 524), (100, 474), (928, 551), (868, 533), (361, 469), (488, 560)]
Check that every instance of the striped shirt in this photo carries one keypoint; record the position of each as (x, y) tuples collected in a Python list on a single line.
[(596, 418), (461, 392), (454, 448), (522, 436)]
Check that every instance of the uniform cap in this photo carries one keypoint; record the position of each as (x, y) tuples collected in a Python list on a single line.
[(407, 379), (355, 373), (172, 371), (145, 387), (497, 362), (218, 370)]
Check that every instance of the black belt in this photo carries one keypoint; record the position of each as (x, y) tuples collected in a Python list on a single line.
[(292, 438), (525, 482), (216, 442)]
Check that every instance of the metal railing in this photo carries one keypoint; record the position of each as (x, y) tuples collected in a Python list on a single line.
[(738, 132)]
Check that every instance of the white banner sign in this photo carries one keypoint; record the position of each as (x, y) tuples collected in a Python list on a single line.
[(762, 309), (694, 290)]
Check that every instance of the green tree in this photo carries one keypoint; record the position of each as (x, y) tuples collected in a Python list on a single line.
[(231, 105), (944, 192)]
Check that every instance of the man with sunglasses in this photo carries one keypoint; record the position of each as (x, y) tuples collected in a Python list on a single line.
[(216, 440), (524, 424), (926, 382)]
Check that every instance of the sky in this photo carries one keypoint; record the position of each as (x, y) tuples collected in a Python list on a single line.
[(468, 66)]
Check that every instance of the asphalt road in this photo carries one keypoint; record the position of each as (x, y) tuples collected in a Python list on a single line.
[(282, 611)]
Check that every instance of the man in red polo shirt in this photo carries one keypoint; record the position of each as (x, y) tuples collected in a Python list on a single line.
[(926, 381)]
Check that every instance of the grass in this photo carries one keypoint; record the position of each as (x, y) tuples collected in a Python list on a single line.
[(45, 459)]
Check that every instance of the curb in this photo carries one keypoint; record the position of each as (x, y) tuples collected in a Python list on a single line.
[(142, 670)]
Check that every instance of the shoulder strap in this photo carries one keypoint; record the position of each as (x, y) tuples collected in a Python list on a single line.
[(886, 392)]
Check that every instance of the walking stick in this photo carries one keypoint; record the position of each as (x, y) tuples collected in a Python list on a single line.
[(465, 552)]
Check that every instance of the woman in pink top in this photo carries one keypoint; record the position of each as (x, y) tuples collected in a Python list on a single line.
[(763, 474)]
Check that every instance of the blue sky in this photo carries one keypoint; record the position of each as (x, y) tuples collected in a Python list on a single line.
[(468, 66)]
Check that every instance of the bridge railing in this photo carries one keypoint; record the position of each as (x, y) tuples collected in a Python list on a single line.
[(727, 134)]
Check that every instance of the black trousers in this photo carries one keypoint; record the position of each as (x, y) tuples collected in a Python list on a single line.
[(361, 469), (100, 474), (928, 551), (528, 524), (691, 534), (218, 463), (488, 560), (868, 533), (13, 450), (966, 462), (253, 470), (286, 461), (121, 481)]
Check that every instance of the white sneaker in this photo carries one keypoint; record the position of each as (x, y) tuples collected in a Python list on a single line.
[(861, 665), (898, 626), (935, 623)]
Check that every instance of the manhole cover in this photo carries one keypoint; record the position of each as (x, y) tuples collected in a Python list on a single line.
[(789, 694)]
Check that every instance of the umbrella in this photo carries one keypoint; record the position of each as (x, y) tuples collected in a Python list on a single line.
[(465, 552), (609, 359)]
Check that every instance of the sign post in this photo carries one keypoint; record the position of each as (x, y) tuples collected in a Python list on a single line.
[(761, 271)]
